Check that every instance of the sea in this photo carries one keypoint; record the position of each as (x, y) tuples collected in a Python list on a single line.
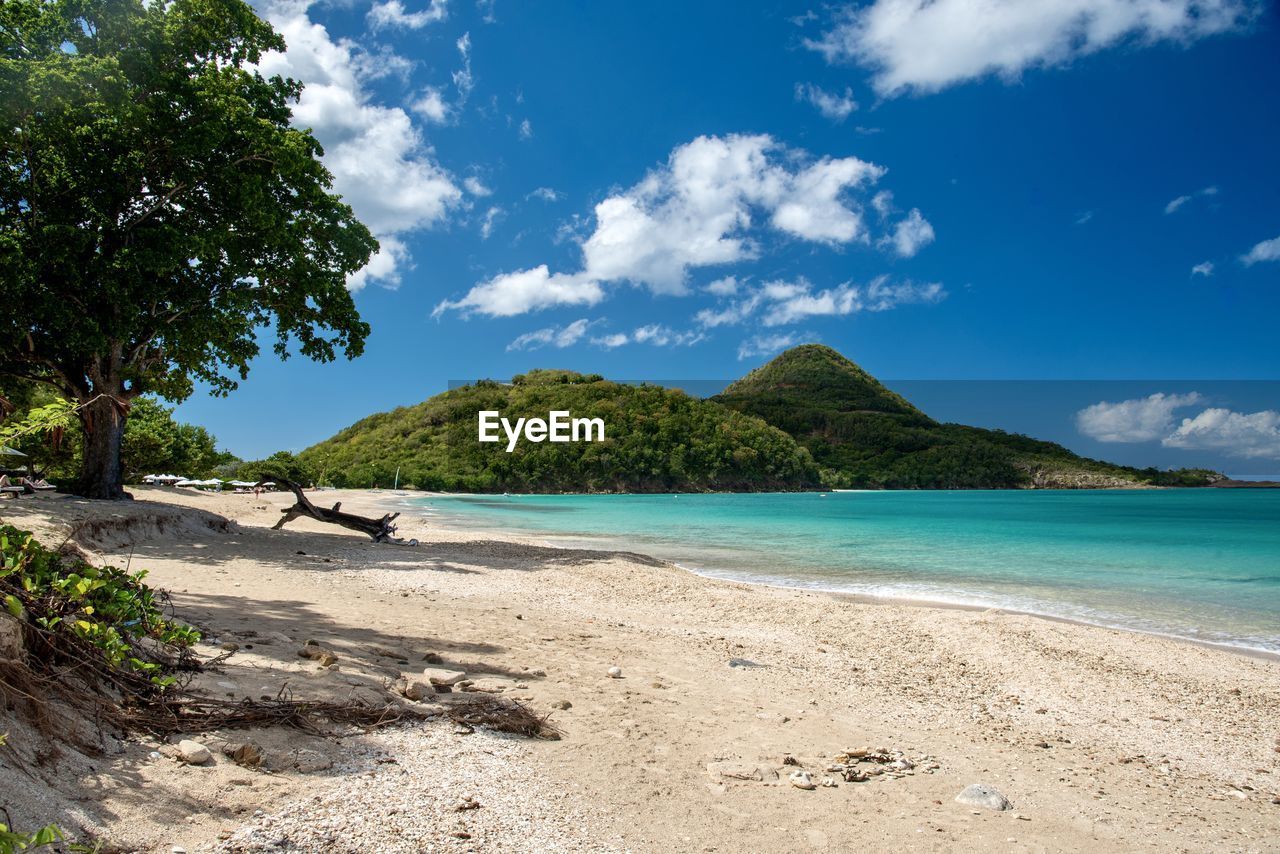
[(1199, 564)]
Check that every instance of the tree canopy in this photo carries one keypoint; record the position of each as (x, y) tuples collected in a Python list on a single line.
[(158, 210)]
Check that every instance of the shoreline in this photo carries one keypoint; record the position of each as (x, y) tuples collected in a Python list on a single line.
[(616, 542), (725, 689)]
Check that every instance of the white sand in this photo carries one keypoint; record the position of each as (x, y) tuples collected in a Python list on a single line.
[(1150, 743)]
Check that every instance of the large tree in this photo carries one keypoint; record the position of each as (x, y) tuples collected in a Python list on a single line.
[(158, 210)]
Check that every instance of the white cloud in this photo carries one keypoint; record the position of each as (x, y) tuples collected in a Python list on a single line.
[(431, 106), (707, 205), (883, 203), (555, 336), (546, 194), (381, 164), (792, 302), (734, 313), (1139, 420), (655, 334), (1238, 434), (510, 294), (723, 287), (1267, 250), (490, 221), (912, 234), (385, 265), (882, 295), (1204, 268), (662, 336), (835, 107), (463, 81), (927, 45), (610, 342), (1084, 217), (779, 303), (392, 14), (476, 187), (1179, 202), (526, 130), (767, 345), (696, 210)]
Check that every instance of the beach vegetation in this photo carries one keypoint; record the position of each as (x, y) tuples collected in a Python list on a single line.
[(158, 211), (280, 464), (46, 430), (105, 619)]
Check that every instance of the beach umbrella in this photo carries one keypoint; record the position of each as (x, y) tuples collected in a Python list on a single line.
[(10, 452)]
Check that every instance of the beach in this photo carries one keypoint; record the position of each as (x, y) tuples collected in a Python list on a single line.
[(1097, 738)]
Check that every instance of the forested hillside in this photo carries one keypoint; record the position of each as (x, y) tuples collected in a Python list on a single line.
[(657, 440), (863, 435)]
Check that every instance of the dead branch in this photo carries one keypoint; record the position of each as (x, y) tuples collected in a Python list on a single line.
[(379, 530)]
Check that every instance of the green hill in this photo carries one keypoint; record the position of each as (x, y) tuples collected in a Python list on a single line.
[(863, 435), (657, 440), (809, 418)]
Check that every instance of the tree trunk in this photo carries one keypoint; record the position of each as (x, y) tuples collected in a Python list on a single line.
[(102, 474)]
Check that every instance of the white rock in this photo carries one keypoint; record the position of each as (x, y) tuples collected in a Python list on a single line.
[(193, 752), (802, 780), (416, 689), (441, 676), (615, 672), (982, 795)]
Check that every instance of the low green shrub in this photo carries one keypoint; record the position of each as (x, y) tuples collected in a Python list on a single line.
[(105, 612)]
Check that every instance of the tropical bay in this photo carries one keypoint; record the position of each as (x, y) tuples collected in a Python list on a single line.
[(1196, 564), (433, 425)]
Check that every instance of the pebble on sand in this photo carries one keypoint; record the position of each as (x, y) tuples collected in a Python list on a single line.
[(193, 752), (982, 795), (802, 780), (418, 689), (615, 672), (441, 676)]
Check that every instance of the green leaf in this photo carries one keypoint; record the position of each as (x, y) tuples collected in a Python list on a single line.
[(14, 606)]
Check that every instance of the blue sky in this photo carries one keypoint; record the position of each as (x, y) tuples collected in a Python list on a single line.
[(1059, 189)]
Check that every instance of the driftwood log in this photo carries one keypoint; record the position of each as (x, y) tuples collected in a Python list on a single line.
[(379, 530)]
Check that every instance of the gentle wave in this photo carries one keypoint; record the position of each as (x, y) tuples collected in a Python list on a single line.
[(1202, 565)]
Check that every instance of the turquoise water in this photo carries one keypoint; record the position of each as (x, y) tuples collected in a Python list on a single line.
[(1201, 564)]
